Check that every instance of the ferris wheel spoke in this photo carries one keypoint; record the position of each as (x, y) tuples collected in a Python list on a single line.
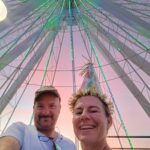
[(132, 87)]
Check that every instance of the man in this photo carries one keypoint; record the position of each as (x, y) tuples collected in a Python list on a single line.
[(43, 136)]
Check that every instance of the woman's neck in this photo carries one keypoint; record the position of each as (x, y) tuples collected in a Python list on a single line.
[(99, 146)]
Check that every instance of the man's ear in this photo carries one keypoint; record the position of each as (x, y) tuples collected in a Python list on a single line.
[(60, 107)]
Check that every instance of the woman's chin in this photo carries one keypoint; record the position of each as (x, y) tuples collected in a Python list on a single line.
[(86, 138)]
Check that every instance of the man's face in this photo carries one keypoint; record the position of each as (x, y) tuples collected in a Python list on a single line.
[(46, 111), (89, 120)]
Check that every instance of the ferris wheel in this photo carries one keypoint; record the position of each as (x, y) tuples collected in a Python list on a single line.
[(49, 41)]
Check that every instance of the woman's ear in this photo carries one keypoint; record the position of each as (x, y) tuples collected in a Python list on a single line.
[(109, 122)]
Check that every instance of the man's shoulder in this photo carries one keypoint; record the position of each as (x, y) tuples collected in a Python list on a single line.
[(65, 141), (19, 123), (17, 128)]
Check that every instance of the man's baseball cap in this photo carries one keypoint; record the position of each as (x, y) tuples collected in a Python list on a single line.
[(46, 89)]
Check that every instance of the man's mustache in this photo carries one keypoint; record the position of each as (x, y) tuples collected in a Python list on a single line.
[(44, 117)]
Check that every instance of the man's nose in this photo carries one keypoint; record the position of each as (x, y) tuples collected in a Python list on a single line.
[(46, 111)]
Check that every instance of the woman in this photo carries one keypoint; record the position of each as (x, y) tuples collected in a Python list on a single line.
[(92, 115)]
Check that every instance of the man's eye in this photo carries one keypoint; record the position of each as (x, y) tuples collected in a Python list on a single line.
[(52, 106), (39, 106)]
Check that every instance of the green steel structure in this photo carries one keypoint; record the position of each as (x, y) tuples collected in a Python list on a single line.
[(46, 42)]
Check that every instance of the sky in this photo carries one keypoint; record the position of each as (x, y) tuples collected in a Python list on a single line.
[(135, 119)]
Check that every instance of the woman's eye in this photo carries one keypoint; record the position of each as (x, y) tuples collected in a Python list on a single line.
[(94, 111), (78, 113)]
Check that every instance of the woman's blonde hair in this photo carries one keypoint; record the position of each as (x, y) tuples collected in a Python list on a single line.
[(108, 106)]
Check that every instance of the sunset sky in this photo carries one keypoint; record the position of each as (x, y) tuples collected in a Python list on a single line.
[(136, 121)]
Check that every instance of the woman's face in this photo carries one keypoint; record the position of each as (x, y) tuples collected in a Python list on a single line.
[(89, 120)]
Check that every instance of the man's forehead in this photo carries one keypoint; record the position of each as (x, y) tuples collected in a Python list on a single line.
[(47, 98)]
